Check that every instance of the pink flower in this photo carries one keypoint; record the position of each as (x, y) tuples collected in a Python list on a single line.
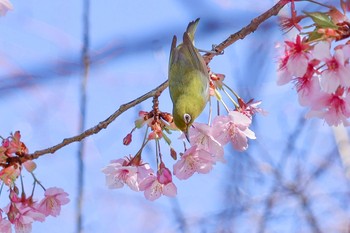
[(154, 186), (250, 108), (13, 145), (295, 60), (54, 199), (22, 214), (335, 108), (193, 160), (5, 225), (308, 87), (201, 136), (337, 72), (120, 172), (5, 6), (310, 93), (234, 128), (9, 174)]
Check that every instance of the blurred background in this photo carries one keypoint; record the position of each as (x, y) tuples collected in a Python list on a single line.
[(291, 179)]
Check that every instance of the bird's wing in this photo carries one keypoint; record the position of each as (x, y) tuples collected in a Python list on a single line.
[(173, 52), (196, 59)]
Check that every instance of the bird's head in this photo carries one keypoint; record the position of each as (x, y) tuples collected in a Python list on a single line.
[(183, 118)]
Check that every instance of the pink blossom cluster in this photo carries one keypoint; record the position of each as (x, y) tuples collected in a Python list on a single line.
[(140, 177), (12, 147), (21, 211), (207, 148), (320, 69), (207, 143), (322, 78)]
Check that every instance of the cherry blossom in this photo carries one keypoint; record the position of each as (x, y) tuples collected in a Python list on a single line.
[(200, 135), (193, 160), (295, 60), (54, 199), (335, 108), (154, 186), (5, 225), (337, 72), (120, 172), (16, 145), (5, 5), (22, 213), (234, 128), (308, 87), (250, 108), (310, 93)]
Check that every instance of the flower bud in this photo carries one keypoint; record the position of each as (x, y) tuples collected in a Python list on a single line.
[(127, 140)]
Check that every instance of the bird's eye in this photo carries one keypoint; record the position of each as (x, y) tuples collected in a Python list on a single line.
[(187, 118)]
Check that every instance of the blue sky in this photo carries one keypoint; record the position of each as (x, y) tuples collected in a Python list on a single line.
[(40, 47)]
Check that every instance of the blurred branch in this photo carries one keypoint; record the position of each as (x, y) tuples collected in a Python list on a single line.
[(251, 27), (278, 176), (85, 58), (305, 204), (343, 144), (179, 216)]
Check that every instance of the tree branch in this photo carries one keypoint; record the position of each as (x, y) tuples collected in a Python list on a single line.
[(99, 126), (251, 27)]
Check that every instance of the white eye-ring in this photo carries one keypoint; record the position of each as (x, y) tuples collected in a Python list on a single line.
[(187, 118)]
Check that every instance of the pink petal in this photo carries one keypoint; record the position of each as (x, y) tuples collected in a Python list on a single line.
[(297, 65), (153, 192), (321, 51), (170, 190), (29, 165), (182, 170)]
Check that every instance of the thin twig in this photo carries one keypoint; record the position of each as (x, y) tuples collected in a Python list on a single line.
[(97, 128), (250, 28)]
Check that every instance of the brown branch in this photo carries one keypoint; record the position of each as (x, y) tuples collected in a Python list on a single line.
[(251, 27), (99, 126)]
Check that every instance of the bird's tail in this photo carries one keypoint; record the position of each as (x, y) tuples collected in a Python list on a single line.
[(191, 29)]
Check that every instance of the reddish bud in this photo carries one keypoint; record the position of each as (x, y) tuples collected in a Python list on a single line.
[(164, 174), (6, 142), (173, 153), (127, 140)]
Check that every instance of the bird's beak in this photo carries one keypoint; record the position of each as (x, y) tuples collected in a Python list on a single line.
[(186, 134)]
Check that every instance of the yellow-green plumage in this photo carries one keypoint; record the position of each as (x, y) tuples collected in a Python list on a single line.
[(188, 80)]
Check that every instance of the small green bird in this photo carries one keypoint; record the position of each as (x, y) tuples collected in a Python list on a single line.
[(188, 80)]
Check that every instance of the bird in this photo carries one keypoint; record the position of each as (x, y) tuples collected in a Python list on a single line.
[(188, 80)]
